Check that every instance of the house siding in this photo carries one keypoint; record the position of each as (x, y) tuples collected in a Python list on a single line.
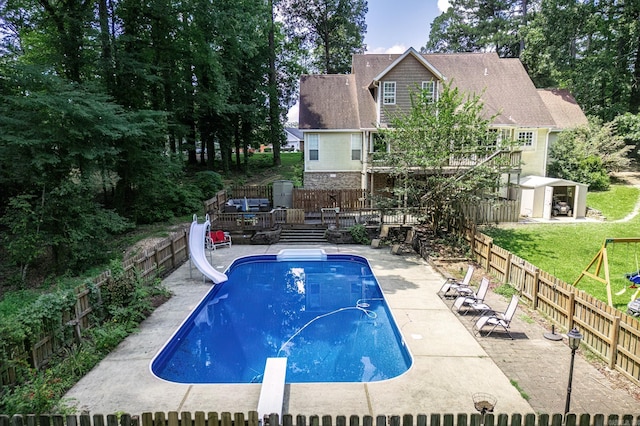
[(534, 158), (334, 153), (408, 75), (334, 180)]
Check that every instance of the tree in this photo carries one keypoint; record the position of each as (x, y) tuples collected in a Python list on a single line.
[(57, 139), (591, 48), (588, 154), (424, 145), (628, 126), (479, 25), (331, 30)]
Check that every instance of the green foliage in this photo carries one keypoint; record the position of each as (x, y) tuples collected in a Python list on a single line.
[(107, 337), (576, 45), (22, 238), (588, 154), (505, 290), (471, 26), (209, 183), (523, 394), (628, 126), (330, 31), (359, 234), (419, 159), (126, 302)]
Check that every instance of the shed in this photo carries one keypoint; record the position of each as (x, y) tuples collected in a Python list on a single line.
[(539, 195)]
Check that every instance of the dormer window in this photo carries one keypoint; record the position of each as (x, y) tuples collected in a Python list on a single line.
[(389, 93), (429, 87)]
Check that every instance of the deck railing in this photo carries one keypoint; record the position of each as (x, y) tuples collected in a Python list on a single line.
[(504, 159)]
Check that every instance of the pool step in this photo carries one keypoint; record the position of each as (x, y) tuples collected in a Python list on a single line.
[(302, 236), (272, 390)]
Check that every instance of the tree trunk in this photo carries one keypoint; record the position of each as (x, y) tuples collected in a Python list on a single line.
[(274, 111)]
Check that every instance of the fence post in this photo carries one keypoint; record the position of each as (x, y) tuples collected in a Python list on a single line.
[(173, 252), (489, 247), (615, 332), (507, 269), (534, 289), (571, 310)]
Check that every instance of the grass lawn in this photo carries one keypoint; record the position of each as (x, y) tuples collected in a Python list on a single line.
[(565, 250), (616, 203), (263, 172)]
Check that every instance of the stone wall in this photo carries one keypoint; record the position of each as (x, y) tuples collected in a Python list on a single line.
[(332, 180)]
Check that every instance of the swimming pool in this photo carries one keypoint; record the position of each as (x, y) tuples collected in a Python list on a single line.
[(328, 316)]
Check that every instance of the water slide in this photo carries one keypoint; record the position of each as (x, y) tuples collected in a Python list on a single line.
[(197, 236)]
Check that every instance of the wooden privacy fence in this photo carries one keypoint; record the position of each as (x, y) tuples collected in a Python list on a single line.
[(200, 418), (610, 333), (164, 258), (309, 200), (497, 211), (313, 200)]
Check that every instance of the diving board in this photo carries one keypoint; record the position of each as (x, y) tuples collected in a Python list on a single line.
[(272, 391)]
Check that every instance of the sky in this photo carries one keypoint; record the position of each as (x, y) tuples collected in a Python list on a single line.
[(393, 26)]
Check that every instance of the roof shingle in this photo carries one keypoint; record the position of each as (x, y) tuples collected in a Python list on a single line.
[(508, 94)]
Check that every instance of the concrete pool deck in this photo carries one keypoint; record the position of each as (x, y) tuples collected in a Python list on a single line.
[(449, 363)]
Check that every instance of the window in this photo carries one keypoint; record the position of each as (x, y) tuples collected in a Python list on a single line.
[(313, 147), (389, 93), (497, 136), (429, 87), (525, 138), (356, 147)]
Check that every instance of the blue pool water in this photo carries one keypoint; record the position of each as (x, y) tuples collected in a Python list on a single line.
[(328, 317)]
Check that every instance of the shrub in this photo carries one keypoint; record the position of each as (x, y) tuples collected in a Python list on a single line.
[(359, 234), (209, 183)]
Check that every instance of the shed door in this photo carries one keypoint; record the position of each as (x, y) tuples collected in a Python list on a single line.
[(548, 201)]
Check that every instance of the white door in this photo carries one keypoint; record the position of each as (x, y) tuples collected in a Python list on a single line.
[(548, 201)]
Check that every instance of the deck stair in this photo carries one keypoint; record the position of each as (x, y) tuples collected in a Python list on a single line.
[(302, 236)]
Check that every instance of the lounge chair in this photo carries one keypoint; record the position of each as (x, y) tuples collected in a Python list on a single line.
[(476, 299), (218, 238), (452, 284), (502, 319)]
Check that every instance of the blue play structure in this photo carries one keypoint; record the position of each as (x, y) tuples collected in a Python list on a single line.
[(634, 278)]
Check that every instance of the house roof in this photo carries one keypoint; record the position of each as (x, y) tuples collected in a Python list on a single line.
[(563, 108), (540, 181), (411, 51), (295, 132), (346, 101), (328, 102)]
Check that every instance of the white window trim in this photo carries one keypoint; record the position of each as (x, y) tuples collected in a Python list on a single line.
[(356, 145), (392, 84), (524, 141), (433, 89), (313, 139)]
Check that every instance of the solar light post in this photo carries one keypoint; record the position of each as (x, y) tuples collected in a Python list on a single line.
[(574, 337)]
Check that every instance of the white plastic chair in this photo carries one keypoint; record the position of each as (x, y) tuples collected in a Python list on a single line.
[(497, 319)]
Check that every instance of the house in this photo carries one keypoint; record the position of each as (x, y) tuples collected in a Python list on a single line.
[(340, 114), (294, 139)]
